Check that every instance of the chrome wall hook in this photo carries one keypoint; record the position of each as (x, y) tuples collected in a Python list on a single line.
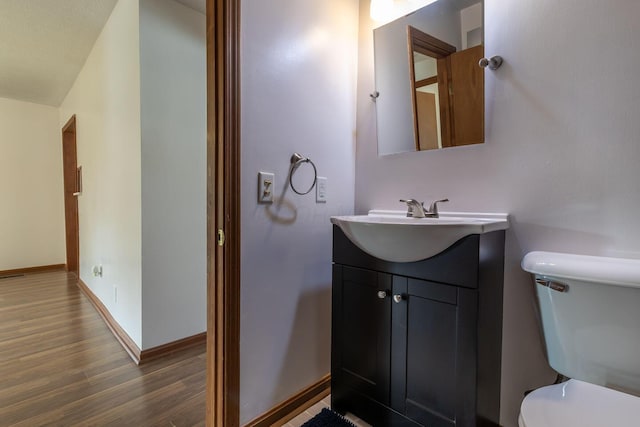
[(493, 63)]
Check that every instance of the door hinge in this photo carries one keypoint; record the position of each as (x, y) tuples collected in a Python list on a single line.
[(220, 237)]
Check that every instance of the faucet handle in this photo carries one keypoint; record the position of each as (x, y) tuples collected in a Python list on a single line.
[(433, 209), (412, 202)]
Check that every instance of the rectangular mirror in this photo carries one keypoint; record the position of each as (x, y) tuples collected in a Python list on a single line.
[(429, 86)]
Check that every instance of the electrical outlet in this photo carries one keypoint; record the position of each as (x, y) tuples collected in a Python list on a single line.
[(266, 185), (115, 294), (321, 190), (97, 271)]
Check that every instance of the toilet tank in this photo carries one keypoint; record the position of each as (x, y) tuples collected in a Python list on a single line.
[(590, 311)]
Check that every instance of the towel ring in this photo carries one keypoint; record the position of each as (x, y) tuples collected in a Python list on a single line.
[(296, 161)]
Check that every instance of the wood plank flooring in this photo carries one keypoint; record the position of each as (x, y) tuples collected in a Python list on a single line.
[(60, 365)]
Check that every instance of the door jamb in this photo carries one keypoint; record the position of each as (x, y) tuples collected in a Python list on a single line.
[(223, 213), (70, 127)]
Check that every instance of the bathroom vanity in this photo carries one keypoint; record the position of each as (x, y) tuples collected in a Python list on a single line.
[(418, 343)]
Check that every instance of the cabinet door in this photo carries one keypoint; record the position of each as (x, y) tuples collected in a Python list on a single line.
[(361, 331), (433, 352)]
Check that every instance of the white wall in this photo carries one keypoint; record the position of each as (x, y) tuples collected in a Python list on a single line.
[(106, 101), (471, 19), (31, 186), (298, 94), (560, 156), (174, 166)]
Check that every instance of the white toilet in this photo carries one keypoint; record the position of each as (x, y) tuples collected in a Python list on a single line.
[(590, 311)]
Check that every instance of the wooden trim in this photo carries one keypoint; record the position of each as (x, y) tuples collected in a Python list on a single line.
[(444, 77), (70, 122), (214, 394), (223, 213), (412, 79), (428, 45), (138, 356), (426, 82), (28, 270), (70, 178), (425, 44), (296, 404), (171, 347), (123, 338)]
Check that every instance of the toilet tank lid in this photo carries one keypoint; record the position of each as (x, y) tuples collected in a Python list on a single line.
[(611, 271)]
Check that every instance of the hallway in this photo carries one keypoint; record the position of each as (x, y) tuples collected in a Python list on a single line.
[(60, 365)]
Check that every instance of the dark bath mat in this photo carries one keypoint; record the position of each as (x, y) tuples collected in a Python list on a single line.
[(328, 418)]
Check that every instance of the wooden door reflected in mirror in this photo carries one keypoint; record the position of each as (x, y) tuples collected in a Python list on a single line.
[(447, 90)]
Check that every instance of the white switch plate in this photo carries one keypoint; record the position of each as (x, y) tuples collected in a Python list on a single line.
[(266, 185), (321, 190)]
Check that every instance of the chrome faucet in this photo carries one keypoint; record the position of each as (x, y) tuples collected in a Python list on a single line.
[(415, 209)]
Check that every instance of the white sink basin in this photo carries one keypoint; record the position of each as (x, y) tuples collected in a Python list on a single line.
[(391, 236)]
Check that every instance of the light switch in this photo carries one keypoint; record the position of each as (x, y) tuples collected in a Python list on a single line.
[(321, 190), (266, 185)]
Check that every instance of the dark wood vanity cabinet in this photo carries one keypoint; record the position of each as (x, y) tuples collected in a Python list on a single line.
[(418, 344)]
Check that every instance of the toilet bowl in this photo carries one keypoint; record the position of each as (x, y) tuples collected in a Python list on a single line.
[(591, 325), (577, 403)]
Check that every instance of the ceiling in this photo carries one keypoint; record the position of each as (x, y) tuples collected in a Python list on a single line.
[(44, 44)]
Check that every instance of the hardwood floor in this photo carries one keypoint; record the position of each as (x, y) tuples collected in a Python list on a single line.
[(60, 365)]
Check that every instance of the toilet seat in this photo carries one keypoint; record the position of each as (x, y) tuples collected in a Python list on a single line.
[(578, 404)]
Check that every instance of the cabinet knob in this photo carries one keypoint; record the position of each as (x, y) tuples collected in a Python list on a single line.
[(398, 298), (382, 294)]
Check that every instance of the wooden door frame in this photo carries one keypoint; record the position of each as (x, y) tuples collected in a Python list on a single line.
[(72, 260), (433, 47), (223, 213)]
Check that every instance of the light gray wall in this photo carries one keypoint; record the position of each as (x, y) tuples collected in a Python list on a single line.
[(173, 122), (561, 153), (299, 63)]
